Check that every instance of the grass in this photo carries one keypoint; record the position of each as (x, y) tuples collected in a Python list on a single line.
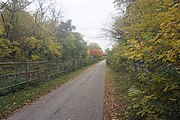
[(12, 102), (122, 82)]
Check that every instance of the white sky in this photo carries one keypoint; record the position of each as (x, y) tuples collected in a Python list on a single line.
[(89, 16)]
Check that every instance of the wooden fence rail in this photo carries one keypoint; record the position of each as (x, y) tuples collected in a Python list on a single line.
[(16, 75)]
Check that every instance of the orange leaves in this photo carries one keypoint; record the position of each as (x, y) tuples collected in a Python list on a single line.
[(96, 52)]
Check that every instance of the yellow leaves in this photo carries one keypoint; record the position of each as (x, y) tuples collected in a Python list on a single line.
[(163, 45), (50, 44), (153, 47), (1, 28), (31, 42), (170, 56), (32, 47), (175, 44), (6, 47), (35, 57), (168, 2), (53, 47), (170, 19), (134, 50)]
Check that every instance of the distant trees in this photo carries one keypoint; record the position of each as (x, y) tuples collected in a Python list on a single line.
[(95, 50), (147, 49), (74, 47)]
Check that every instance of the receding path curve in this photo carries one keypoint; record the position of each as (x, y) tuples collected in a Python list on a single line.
[(79, 99)]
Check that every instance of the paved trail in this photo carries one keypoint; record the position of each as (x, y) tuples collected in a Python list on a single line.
[(79, 99)]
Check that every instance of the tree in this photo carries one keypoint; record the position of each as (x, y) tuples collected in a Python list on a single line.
[(95, 50), (27, 37), (148, 51), (37, 35), (74, 46)]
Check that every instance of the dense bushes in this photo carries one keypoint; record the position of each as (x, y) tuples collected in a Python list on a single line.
[(148, 50)]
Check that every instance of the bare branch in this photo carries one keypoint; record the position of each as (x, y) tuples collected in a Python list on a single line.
[(24, 6), (3, 4)]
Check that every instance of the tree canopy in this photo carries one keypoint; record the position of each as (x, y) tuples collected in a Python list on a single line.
[(95, 50), (37, 35)]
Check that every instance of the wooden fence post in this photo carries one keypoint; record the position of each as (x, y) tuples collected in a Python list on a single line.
[(46, 70), (27, 77), (75, 64)]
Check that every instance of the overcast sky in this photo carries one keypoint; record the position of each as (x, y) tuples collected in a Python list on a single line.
[(89, 16)]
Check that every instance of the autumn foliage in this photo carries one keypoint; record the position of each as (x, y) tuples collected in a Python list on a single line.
[(96, 52), (147, 52), (37, 35)]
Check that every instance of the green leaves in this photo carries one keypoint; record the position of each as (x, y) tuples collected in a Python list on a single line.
[(150, 56), (5, 48), (32, 36)]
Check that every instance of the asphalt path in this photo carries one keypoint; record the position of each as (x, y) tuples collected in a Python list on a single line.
[(79, 99)]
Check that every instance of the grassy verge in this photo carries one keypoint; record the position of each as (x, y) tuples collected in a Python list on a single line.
[(115, 95), (13, 102)]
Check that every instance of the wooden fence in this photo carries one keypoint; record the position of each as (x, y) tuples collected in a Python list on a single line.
[(17, 75)]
